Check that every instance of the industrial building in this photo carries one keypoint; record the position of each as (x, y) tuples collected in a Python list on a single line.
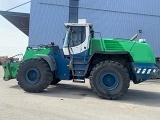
[(113, 19)]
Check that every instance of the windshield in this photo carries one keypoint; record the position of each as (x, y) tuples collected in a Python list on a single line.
[(66, 38), (75, 36)]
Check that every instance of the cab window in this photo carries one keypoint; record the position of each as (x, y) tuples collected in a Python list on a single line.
[(77, 35)]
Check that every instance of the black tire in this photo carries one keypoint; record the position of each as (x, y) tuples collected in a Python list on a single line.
[(34, 75), (158, 65), (104, 77), (55, 81)]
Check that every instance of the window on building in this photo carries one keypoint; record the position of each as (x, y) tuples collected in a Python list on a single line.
[(73, 11)]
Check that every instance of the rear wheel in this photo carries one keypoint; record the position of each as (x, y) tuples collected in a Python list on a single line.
[(34, 75), (109, 80)]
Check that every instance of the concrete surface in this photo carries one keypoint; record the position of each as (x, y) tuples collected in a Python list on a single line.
[(76, 101)]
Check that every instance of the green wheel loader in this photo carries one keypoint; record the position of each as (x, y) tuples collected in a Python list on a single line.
[(109, 64)]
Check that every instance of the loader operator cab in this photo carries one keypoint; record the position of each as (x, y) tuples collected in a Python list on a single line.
[(77, 37)]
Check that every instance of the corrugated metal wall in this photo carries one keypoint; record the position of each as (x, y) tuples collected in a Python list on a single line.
[(114, 19), (47, 21)]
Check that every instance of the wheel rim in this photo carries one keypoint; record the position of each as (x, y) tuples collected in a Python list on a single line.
[(109, 80), (32, 76)]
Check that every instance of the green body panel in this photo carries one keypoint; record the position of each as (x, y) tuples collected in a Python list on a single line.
[(140, 52), (30, 53), (10, 69)]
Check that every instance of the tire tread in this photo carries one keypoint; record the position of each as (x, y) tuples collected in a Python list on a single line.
[(102, 64)]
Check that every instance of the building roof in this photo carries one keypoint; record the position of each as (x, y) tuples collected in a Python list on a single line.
[(19, 20)]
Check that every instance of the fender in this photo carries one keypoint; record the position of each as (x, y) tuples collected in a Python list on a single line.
[(126, 55), (111, 53), (50, 60)]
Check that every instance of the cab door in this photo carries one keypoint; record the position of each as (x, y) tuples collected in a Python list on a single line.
[(76, 38)]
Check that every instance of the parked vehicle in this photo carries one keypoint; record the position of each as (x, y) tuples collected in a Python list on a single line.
[(109, 64)]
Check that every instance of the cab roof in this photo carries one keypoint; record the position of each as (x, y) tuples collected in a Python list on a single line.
[(77, 24), (81, 22)]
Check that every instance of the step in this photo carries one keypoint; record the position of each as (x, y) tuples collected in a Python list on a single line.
[(79, 80), (79, 66), (80, 57), (79, 73), (79, 69), (80, 60), (79, 63)]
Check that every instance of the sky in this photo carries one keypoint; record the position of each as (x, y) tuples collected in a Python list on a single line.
[(12, 40)]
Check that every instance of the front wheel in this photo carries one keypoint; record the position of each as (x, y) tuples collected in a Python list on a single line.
[(109, 80), (34, 75)]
